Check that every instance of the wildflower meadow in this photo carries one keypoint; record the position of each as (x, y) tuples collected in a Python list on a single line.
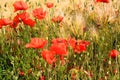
[(59, 39)]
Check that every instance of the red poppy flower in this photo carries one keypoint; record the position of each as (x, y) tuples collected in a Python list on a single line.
[(72, 42), (57, 19), (60, 40), (29, 22), (39, 13), (24, 16), (17, 19), (48, 56), (15, 22), (20, 5), (113, 53), (80, 48), (42, 78), (14, 25), (4, 22), (21, 73), (49, 4), (36, 43), (78, 45), (104, 1), (59, 48)]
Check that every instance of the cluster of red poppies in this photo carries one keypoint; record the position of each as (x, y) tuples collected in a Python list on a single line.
[(38, 13), (59, 47), (24, 17)]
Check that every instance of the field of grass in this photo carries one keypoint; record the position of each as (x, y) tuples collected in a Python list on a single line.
[(59, 40)]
